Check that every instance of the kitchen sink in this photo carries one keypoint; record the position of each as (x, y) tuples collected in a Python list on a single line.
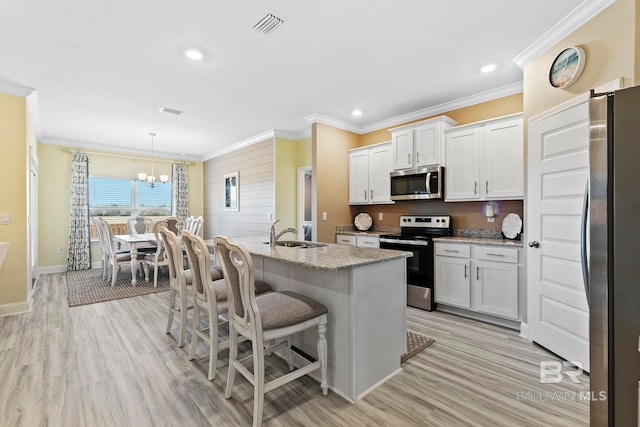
[(299, 244)]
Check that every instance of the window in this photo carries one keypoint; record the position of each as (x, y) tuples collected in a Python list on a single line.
[(109, 197)]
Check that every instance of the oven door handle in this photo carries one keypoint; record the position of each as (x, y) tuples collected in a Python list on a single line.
[(405, 242)]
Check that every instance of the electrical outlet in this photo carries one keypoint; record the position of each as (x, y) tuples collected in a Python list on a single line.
[(5, 218), (380, 216)]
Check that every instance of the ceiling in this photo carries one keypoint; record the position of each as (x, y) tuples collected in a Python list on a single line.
[(102, 69)]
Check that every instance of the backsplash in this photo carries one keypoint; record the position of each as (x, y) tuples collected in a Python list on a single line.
[(478, 233), (391, 229)]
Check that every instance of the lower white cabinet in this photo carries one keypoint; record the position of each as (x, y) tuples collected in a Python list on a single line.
[(361, 240), (477, 277)]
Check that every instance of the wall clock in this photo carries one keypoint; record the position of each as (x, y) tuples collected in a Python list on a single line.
[(567, 67)]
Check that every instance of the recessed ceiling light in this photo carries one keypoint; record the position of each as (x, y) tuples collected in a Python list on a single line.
[(356, 113), (194, 54), (488, 68)]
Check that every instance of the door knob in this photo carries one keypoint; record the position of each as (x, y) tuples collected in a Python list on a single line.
[(534, 244)]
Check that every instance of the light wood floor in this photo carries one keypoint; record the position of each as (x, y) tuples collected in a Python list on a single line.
[(111, 364)]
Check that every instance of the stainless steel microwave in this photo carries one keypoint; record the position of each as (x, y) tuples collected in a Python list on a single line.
[(417, 184)]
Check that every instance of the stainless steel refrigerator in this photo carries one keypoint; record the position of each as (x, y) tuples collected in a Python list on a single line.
[(611, 257)]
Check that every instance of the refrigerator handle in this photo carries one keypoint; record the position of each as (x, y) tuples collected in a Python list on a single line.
[(583, 241)]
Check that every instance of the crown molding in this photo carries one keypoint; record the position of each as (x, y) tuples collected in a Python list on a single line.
[(109, 150), (477, 98), (293, 135), (579, 16), (241, 144), (336, 123), (15, 89)]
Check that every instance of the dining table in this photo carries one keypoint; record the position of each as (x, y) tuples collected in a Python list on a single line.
[(135, 241)]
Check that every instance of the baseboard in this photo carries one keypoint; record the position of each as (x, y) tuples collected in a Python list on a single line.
[(53, 269), (524, 330), (507, 323), (15, 308)]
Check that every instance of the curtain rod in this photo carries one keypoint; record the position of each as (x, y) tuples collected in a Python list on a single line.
[(125, 156)]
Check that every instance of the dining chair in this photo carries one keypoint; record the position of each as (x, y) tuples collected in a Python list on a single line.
[(139, 225), (158, 258), (210, 295), (178, 287), (175, 224), (115, 259), (263, 318), (196, 225), (103, 249)]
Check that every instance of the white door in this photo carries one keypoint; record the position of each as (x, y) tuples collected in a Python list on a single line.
[(558, 169), (359, 177), (402, 143), (452, 281), (463, 165), (503, 161), (427, 145), (380, 166)]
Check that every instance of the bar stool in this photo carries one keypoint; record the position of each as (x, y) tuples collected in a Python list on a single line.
[(262, 318), (209, 295)]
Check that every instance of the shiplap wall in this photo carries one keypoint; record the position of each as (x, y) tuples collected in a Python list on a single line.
[(256, 199)]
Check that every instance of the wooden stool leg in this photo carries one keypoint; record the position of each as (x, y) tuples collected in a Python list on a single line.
[(233, 357), (196, 327), (172, 304), (322, 355), (258, 382), (213, 343)]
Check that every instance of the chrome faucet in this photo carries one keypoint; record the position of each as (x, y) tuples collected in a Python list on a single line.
[(273, 237)]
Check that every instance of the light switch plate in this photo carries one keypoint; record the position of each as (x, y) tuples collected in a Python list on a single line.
[(324, 216), (5, 218)]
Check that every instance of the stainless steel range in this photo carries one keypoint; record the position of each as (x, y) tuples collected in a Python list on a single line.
[(416, 234)]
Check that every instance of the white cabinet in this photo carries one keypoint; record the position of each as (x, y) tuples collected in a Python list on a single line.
[(480, 278), (485, 160), (360, 240), (346, 239), (367, 241), (369, 169), (420, 144)]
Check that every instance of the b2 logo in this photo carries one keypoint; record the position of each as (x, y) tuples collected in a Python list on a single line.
[(552, 371)]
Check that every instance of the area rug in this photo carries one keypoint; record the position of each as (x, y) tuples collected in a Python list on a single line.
[(88, 286), (415, 344)]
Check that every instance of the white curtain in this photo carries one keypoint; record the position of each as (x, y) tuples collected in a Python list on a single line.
[(79, 256), (179, 190)]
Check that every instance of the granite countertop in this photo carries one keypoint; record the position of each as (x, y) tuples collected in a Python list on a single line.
[(369, 232), (480, 241), (329, 257)]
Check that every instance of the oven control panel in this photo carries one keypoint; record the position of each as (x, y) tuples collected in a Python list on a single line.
[(426, 221)]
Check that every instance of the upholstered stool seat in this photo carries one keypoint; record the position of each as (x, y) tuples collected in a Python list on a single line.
[(286, 308)]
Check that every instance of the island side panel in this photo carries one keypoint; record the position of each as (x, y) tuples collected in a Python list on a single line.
[(379, 327), (333, 289)]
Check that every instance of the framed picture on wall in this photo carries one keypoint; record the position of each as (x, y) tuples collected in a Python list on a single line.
[(231, 190)]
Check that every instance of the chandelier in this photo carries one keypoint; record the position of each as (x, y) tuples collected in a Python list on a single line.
[(151, 179)]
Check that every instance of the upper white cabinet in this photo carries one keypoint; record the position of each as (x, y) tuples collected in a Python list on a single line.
[(485, 160), (420, 144), (369, 169)]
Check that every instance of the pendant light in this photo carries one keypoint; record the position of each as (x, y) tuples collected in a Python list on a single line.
[(151, 179)]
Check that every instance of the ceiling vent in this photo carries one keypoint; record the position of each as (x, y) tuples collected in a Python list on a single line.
[(170, 111), (268, 24)]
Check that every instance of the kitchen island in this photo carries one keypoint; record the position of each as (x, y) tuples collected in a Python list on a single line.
[(365, 292)]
